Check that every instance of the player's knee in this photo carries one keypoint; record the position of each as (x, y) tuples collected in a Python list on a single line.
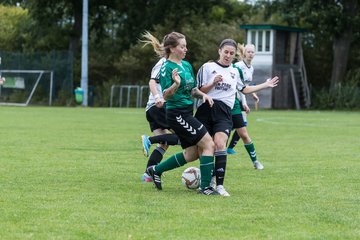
[(220, 145), (246, 139), (190, 155), (210, 146)]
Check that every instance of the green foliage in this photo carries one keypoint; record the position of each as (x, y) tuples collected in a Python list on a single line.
[(333, 31), (318, 60), (345, 96), (64, 98), (103, 92), (74, 173), (203, 44), (17, 96), (13, 22), (115, 26), (134, 65)]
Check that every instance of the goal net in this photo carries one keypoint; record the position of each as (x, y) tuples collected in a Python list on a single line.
[(24, 86), (37, 78)]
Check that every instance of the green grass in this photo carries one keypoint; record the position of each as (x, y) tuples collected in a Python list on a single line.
[(74, 173)]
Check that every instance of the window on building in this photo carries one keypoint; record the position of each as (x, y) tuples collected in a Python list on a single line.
[(262, 39), (267, 41)]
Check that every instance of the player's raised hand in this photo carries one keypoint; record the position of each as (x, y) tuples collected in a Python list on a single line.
[(272, 82), (218, 79), (175, 76), (208, 99)]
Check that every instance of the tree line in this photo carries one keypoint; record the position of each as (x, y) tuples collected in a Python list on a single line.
[(331, 43)]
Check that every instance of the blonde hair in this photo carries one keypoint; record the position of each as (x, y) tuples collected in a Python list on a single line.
[(148, 38), (240, 53), (170, 40)]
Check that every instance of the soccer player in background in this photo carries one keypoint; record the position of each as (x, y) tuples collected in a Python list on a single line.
[(241, 109), (2, 80), (221, 80), (179, 87)]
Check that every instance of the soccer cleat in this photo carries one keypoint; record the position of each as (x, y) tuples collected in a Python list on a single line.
[(258, 165), (221, 190), (208, 191), (146, 145), (230, 151), (213, 182), (156, 178), (146, 178)]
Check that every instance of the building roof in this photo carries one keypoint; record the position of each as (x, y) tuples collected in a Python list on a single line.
[(272, 26)]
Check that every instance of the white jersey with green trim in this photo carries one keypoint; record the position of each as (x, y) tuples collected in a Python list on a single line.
[(248, 71), (155, 75), (224, 91)]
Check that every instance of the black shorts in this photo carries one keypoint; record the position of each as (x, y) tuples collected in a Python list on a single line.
[(189, 129), (238, 121), (216, 118), (157, 118)]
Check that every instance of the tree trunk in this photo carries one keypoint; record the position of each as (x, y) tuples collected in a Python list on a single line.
[(342, 43), (341, 48), (77, 27)]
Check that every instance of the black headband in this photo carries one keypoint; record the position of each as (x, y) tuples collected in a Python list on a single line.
[(228, 42)]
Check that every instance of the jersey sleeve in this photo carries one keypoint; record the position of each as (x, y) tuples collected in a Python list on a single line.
[(165, 77), (155, 72), (240, 73), (201, 77)]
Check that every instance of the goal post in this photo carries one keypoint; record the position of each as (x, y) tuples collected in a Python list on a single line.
[(20, 80)]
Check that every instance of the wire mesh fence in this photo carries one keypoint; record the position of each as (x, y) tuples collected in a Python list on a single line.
[(41, 78)]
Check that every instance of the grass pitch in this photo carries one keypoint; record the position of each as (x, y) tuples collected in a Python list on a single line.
[(74, 173)]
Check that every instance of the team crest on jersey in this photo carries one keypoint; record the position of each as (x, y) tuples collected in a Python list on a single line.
[(214, 72), (232, 75)]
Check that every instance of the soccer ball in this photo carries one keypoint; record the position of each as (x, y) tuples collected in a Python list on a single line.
[(191, 178)]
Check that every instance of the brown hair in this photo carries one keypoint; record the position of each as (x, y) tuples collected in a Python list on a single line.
[(171, 40), (227, 41)]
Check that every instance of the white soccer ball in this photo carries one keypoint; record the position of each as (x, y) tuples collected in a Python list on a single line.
[(191, 178)]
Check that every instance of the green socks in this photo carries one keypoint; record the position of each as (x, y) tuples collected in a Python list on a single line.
[(206, 170), (172, 162), (250, 148), (178, 160)]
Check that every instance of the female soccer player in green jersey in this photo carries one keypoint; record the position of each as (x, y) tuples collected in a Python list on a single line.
[(179, 87), (155, 111)]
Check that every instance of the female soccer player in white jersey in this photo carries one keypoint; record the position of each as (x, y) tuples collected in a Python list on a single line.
[(179, 86), (246, 55), (221, 81)]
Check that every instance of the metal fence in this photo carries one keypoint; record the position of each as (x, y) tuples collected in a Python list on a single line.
[(129, 95)]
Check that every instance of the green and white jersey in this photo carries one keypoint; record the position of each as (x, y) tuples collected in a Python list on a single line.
[(182, 97), (248, 71), (238, 108)]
